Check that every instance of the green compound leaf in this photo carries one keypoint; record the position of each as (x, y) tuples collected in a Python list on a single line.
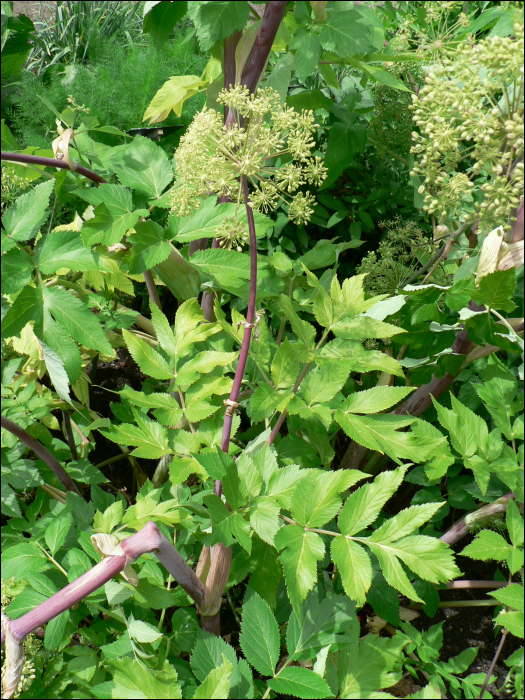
[(302, 550), (301, 683), (132, 679), (354, 566), (144, 167), (259, 637), (488, 545), (375, 400), (17, 268), (114, 214), (217, 682), (79, 322), (215, 21), (381, 433), (308, 51), (510, 595), (64, 249), (148, 359), (57, 372), (28, 306), (361, 327), (496, 290), (364, 505), (150, 247), (22, 220)]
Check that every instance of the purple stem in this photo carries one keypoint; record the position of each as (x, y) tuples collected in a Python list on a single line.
[(42, 452), (250, 315), (52, 163), (69, 433), (149, 539), (152, 288), (263, 43)]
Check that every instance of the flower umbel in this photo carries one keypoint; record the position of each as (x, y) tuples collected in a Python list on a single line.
[(271, 145)]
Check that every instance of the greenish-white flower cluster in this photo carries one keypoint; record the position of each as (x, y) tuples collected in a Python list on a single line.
[(271, 145), (470, 116)]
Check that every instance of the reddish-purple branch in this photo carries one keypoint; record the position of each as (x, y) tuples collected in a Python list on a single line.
[(256, 62), (149, 539), (250, 315), (42, 452), (52, 163)]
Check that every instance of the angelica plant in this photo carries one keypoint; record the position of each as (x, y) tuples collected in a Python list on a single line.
[(269, 144), (470, 116)]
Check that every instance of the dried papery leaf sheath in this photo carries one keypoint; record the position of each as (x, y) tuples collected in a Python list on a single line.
[(14, 663)]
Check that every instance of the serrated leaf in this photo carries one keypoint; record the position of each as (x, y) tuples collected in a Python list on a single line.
[(207, 654), (513, 621), (265, 400), (227, 266), (375, 400), (511, 595), (301, 683), (514, 523), (361, 327), (56, 532), (217, 682), (17, 268), (365, 668), (114, 214), (217, 20), (259, 637), (64, 249), (142, 631), (285, 368), (203, 223), (303, 330), (282, 483), (168, 512), (150, 247), (22, 220), (264, 518), (353, 357), (56, 371), (405, 522), (144, 167), (80, 323), (109, 519), (148, 359), (151, 440), (307, 52), (322, 384), (488, 545), (381, 433), (28, 306), (364, 505), (132, 679), (302, 550), (496, 290), (354, 566)]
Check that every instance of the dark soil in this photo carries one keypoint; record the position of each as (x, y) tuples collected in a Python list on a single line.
[(473, 626)]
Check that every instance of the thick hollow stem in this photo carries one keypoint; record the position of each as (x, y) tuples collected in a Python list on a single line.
[(149, 539), (42, 452)]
